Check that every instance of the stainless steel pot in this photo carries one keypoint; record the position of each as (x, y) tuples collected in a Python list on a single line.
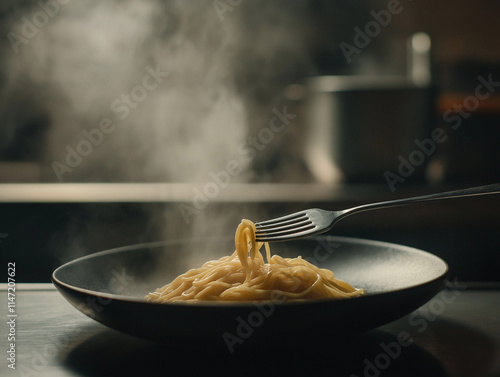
[(359, 126)]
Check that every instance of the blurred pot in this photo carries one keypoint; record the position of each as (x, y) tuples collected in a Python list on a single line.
[(359, 126)]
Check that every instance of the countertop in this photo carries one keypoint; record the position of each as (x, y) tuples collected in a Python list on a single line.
[(449, 337)]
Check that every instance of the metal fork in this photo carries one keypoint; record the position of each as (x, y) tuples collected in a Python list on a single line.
[(315, 221)]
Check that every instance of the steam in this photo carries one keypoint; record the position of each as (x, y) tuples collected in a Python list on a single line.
[(93, 53), (224, 79)]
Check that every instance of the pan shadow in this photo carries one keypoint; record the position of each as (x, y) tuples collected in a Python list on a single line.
[(110, 353), (461, 349)]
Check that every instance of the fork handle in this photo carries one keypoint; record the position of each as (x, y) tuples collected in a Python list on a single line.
[(480, 190)]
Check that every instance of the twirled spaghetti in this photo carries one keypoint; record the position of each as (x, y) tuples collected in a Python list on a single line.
[(244, 276)]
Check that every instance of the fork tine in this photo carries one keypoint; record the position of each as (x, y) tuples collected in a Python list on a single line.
[(292, 230), (288, 234), (292, 216), (290, 224)]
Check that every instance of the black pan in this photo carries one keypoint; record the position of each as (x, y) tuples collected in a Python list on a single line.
[(110, 287)]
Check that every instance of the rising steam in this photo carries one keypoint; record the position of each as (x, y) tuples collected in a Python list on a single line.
[(225, 77), (93, 53)]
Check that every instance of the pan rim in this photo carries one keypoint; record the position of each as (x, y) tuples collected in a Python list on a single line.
[(214, 304)]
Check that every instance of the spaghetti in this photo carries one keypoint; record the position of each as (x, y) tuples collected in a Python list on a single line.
[(244, 276)]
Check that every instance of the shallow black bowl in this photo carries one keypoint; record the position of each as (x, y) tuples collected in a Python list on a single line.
[(110, 287)]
